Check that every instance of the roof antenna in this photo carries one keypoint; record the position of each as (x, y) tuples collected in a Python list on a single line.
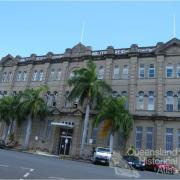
[(82, 32), (174, 26)]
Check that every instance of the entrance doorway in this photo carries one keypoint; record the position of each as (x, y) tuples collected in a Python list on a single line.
[(65, 141)]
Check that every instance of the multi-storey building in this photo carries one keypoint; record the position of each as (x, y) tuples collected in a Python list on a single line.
[(149, 77)]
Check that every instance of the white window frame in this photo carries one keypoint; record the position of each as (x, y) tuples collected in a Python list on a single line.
[(125, 71), (169, 67), (168, 135), (170, 101), (19, 74), (59, 73), (140, 101), (151, 69), (52, 73), (150, 105), (141, 69), (149, 133), (116, 73), (35, 75), (41, 74), (178, 71)]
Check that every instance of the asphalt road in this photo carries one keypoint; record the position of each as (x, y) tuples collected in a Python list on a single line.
[(18, 165)]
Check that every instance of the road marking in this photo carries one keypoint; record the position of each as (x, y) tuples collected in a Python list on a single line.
[(26, 175), (31, 170), (55, 178), (26, 168), (2, 165), (126, 172)]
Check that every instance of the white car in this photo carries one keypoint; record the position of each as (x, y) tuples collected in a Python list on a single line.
[(101, 155)]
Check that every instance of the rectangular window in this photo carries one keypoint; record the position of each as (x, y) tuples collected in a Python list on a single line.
[(139, 137), (178, 71), (169, 71), (141, 71), (178, 104), (116, 74), (140, 103), (40, 75), (149, 138), (169, 103), (125, 72), (150, 103), (169, 139), (151, 71)]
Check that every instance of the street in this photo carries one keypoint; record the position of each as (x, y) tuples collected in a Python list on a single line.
[(19, 165)]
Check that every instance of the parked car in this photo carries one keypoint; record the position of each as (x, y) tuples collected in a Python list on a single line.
[(2, 144), (135, 162), (158, 165), (101, 155)]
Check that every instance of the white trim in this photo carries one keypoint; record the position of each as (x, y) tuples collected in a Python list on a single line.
[(61, 124)]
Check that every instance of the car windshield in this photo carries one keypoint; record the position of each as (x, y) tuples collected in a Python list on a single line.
[(103, 150)]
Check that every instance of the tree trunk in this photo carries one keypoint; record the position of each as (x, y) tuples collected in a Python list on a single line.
[(5, 132), (111, 142), (86, 120), (28, 132)]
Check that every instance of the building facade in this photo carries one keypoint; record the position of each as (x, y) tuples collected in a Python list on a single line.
[(149, 78)]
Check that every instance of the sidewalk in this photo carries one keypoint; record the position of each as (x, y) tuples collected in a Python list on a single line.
[(42, 153)]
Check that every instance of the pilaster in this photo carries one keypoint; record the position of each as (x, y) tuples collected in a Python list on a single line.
[(132, 83), (160, 84)]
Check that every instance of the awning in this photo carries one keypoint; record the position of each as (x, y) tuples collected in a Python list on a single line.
[(61, 124)]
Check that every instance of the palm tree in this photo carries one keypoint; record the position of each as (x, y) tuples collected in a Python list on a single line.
[(89, 90), (8, 106), (32, 107), (115, 118)]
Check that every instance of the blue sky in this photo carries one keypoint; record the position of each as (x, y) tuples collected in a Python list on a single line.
[(39, 27)]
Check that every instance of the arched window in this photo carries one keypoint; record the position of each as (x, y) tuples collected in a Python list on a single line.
[(18, 76), (116, 73), (114, 94), (141, 71), (58, 77), (101, 72), (178, 71), (52, 75), (35, 75), (140, 100), (169, 71), (125, 72), (41, 75), (169, 101), (24, 76), (4, 76), (9, 77), (150, 106)]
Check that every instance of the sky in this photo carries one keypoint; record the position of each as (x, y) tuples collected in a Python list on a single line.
[(40, 27)]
